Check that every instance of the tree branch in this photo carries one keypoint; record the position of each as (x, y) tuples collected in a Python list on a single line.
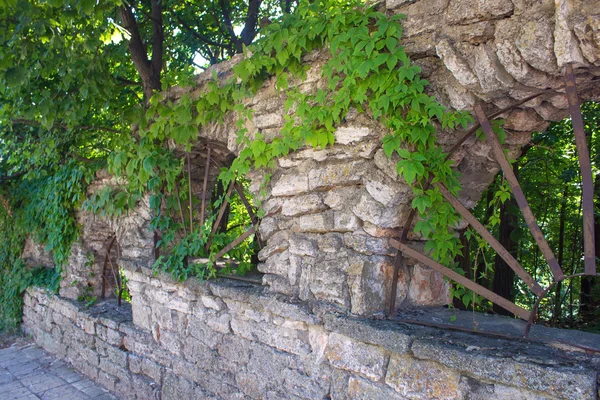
[(139, 56), (196, 34), (157, 40), (249, 32), (237, 43)]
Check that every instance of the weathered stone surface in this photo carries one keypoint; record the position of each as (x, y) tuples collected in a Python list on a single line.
[(468, 11), (348, 354), (347, 135), (386, 191), (359, 388), (370, 210), (334, 175), (385, 334), (428, 287), (562, 382), (302, 205), (288, 185), (302, 245), (417, 379)]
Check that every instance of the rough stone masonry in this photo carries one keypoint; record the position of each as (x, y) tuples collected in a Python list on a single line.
[(331, 214)]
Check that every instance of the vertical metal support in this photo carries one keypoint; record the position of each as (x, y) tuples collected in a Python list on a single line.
[(399, 262), (589, 252), (204, 188), (189, 171), (534, 228)]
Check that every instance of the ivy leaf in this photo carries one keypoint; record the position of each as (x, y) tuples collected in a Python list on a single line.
[(390, 143)]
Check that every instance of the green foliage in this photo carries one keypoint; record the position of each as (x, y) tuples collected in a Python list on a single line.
[(367, 69), (15, 276)]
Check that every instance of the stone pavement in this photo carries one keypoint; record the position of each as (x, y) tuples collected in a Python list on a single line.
[(28, 372)]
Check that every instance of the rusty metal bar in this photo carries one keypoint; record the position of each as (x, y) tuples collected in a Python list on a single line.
[(399, 262), (237, 241), (534, 228), (240, 192), (480, 290), (589, 253), (204, 187), (502, 252), (189, 171), (220, 215)]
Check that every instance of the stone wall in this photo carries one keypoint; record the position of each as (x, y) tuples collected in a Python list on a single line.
[(231, 340), (331, 211)]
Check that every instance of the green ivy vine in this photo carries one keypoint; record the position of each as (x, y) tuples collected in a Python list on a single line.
[(367, 69)]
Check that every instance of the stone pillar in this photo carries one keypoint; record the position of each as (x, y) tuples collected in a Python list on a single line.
[(330, 214)]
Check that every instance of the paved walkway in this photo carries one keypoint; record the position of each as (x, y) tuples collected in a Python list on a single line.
[(28, 372)]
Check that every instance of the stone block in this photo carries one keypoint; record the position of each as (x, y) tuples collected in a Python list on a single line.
[(350, 355), (176, 388), (201, 331), (141, 313), (117, 356), (302, 245), (559, 381), (276, 264), (151, 369), (347, 135), (385, 334), (277, 243), (340, 198), (370, 210), (387, 191), (235, 349), (332, 175), (464, 12), (303, 204), (220, 323), (325, 283), (345, 221), (428, 287), (418, 379), (315, 223), (359, 388), (290, 184), (171, 341)]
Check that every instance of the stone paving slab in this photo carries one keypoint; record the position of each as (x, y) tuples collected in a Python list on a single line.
[(28, 372)]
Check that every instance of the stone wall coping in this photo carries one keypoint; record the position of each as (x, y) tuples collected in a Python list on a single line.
[(364, 346)]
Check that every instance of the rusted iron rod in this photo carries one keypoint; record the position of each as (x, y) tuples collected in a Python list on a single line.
[(220, 215), (502, 252), (589, 253), (237, 241), (480, 290), (534, 228), (399, 263), (204, 188), (240, 192), (189, 172)]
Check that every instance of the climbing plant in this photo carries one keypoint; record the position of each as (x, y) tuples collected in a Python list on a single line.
[(367, 69)]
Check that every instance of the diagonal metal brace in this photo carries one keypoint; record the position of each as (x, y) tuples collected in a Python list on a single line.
[(534, 228)]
